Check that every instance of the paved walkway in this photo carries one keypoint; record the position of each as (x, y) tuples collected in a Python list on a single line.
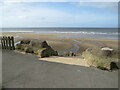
[(26, 71)]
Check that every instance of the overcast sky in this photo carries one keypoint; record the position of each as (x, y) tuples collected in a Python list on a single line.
[(59, 14)]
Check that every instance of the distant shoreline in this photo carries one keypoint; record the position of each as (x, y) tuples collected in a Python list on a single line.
[(95, 33)]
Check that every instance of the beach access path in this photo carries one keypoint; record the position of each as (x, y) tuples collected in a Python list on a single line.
[(26, 71)]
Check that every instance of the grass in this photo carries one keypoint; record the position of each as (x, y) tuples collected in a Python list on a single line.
[(96, 57)]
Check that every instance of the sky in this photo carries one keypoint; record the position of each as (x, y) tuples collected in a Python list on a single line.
[(59, 14)]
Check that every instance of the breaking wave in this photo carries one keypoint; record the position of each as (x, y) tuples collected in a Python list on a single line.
[(77, 32)]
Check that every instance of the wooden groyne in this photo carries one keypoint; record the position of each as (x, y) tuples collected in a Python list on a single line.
[(7, 42)]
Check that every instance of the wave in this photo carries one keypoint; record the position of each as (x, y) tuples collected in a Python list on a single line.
[(77, 32), (65, 32)]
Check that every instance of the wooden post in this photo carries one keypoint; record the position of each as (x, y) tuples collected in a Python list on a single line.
[(9, 42), (4, 42), (12, 40)]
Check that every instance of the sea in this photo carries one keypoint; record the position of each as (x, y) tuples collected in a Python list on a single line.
[(97, 33)]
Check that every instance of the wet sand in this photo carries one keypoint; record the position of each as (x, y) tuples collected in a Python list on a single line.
[(59, 43)]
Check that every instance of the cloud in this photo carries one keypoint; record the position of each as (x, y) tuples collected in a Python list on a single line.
[(10, 5), (33, 16), (98, 4), (111, 6), (49, 17), (20, 14), (81, 3), (22, 17), (61, 0)]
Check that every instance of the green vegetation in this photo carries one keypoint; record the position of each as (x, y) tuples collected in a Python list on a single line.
[(101, 59), (38, 51), (40, 48), (102, 68)]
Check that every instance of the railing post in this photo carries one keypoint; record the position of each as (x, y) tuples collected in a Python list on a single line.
[(12, 39), (4, 42), (9, 42), (6, 39)]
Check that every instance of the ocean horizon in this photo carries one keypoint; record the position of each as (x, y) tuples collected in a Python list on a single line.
[(98, 33)]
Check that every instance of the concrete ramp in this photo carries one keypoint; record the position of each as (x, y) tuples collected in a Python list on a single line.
[(26, 71)]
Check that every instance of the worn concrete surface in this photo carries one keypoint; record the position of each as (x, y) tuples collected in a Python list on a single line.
[(26, 71)]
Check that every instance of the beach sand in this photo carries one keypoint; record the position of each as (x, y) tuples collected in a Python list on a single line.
[(59, 44), (67, 60)]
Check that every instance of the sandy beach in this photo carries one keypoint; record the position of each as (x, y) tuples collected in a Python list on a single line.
[(60, 43), (77, 45)]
